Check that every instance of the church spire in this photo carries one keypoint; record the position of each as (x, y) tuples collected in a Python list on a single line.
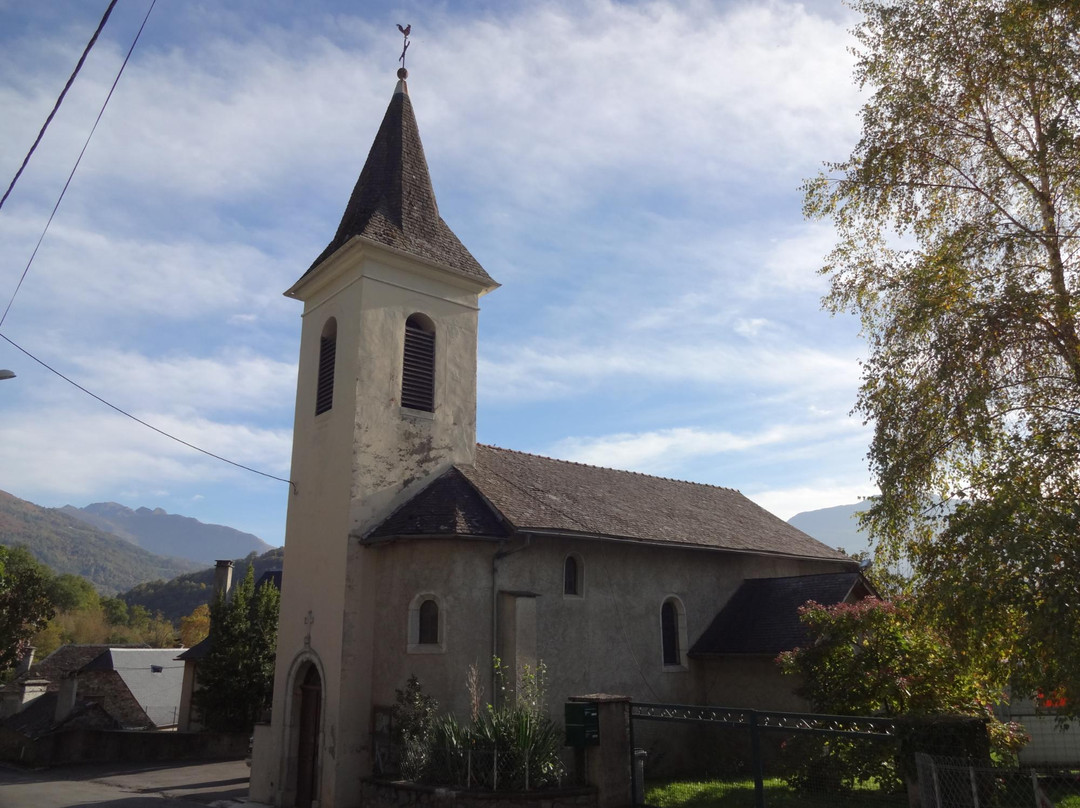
[(393, 202)]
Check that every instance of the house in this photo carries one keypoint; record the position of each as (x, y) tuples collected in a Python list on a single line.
[(411, 550), (93, 686)]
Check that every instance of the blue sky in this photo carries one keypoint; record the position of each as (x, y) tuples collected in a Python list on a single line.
[(628, 171)]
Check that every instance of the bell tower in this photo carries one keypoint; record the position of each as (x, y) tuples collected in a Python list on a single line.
[(385, 400)]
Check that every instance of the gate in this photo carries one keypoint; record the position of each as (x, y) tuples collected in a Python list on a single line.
[(761, 753)]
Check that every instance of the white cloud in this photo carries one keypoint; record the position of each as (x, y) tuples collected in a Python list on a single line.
[(823, 493), (660, 451)]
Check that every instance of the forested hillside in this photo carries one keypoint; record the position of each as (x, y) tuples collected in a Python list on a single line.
[(67, 545), (179, 597)]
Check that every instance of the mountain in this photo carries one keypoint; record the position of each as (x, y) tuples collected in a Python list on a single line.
[(66, 544), (836, 527), (169, 533), (179, 597)]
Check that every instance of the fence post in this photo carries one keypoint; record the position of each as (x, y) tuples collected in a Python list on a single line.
[(974, 787), (755, 748), (609, 766)]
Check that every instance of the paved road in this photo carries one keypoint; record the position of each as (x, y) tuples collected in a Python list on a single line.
[(162, 785)]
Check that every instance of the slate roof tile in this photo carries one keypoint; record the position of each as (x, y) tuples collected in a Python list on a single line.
[(449, 506), (762, 617), (533, 493), (393, 202)]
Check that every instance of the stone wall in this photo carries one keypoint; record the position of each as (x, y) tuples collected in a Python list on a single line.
[(105, 746), (383, 794)]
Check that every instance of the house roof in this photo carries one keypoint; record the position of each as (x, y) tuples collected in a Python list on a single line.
[(62, 662), (762, 617), (530, 493), (38, 718), (153, 676), (393, 202)]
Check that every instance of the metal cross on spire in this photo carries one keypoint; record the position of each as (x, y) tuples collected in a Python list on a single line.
[(402, 72)]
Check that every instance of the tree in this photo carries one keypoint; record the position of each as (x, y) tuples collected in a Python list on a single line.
[(958, 217), (195, 627), (25, 603), (883, 658), (236, 677)]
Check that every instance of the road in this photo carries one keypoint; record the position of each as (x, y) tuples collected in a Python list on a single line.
[(161, 785)]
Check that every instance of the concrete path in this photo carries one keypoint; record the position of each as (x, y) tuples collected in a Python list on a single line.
[(221, 784)]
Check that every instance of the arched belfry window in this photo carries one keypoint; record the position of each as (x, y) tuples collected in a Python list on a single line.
[(427, 625), (324, 388), (418, 365)]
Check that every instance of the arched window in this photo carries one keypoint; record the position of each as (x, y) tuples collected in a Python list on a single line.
[(418, 365), (573, 576), (324, 388), (672, 631), (428, 629), (427, 625)]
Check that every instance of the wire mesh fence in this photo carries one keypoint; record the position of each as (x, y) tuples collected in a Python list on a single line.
[(955, 783)]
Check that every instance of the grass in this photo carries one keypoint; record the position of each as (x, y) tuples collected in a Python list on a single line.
[(740, 794)]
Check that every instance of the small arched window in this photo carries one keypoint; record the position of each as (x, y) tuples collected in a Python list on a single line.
[(671, 631), (418, 364), (573, 572), (324, 388), (427, 625), (428, 628)]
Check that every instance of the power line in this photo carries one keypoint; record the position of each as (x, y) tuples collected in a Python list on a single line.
[(59, 100), (77, 161), (140, 421)]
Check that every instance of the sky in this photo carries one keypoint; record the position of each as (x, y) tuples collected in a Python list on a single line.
[(629, 172)]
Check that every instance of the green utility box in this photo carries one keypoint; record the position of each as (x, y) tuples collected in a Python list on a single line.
[(582, 724)]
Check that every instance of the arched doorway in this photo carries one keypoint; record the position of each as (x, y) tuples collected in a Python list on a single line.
[(307, 751)]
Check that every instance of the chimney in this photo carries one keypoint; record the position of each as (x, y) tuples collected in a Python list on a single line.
[(65, 699), (25, 692), (25, 662), (222, 578)]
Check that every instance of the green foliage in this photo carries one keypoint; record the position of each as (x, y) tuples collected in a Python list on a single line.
[(740, 793), (881, 658), (25, 603), (511, 746), (236, 677), (957, 217), (414, 723), (70, 592)]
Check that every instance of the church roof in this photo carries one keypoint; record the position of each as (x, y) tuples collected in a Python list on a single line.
[(537, 494), (393, 202), (762, 617)]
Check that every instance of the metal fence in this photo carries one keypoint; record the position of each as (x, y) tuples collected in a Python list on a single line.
[(757, 759), (954, 783)]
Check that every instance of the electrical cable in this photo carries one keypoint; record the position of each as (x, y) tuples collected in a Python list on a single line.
[(77, 161), (59, 100), (144, 423)]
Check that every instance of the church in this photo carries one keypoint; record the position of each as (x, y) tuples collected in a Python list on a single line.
[(413, 551)]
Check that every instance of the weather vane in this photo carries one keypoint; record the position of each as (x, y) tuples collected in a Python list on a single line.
[(402, 72)]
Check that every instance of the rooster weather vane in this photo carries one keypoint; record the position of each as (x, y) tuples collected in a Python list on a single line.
[(402, 72)]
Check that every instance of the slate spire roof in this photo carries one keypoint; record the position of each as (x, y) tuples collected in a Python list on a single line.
[(393, 202)]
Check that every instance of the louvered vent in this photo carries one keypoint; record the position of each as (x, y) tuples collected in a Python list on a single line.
[(324, 392), (418, 367)]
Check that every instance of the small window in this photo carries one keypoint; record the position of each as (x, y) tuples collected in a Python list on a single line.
[(324, 389), (429, 623), (418, 364), (573, 571), (672, 632)]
